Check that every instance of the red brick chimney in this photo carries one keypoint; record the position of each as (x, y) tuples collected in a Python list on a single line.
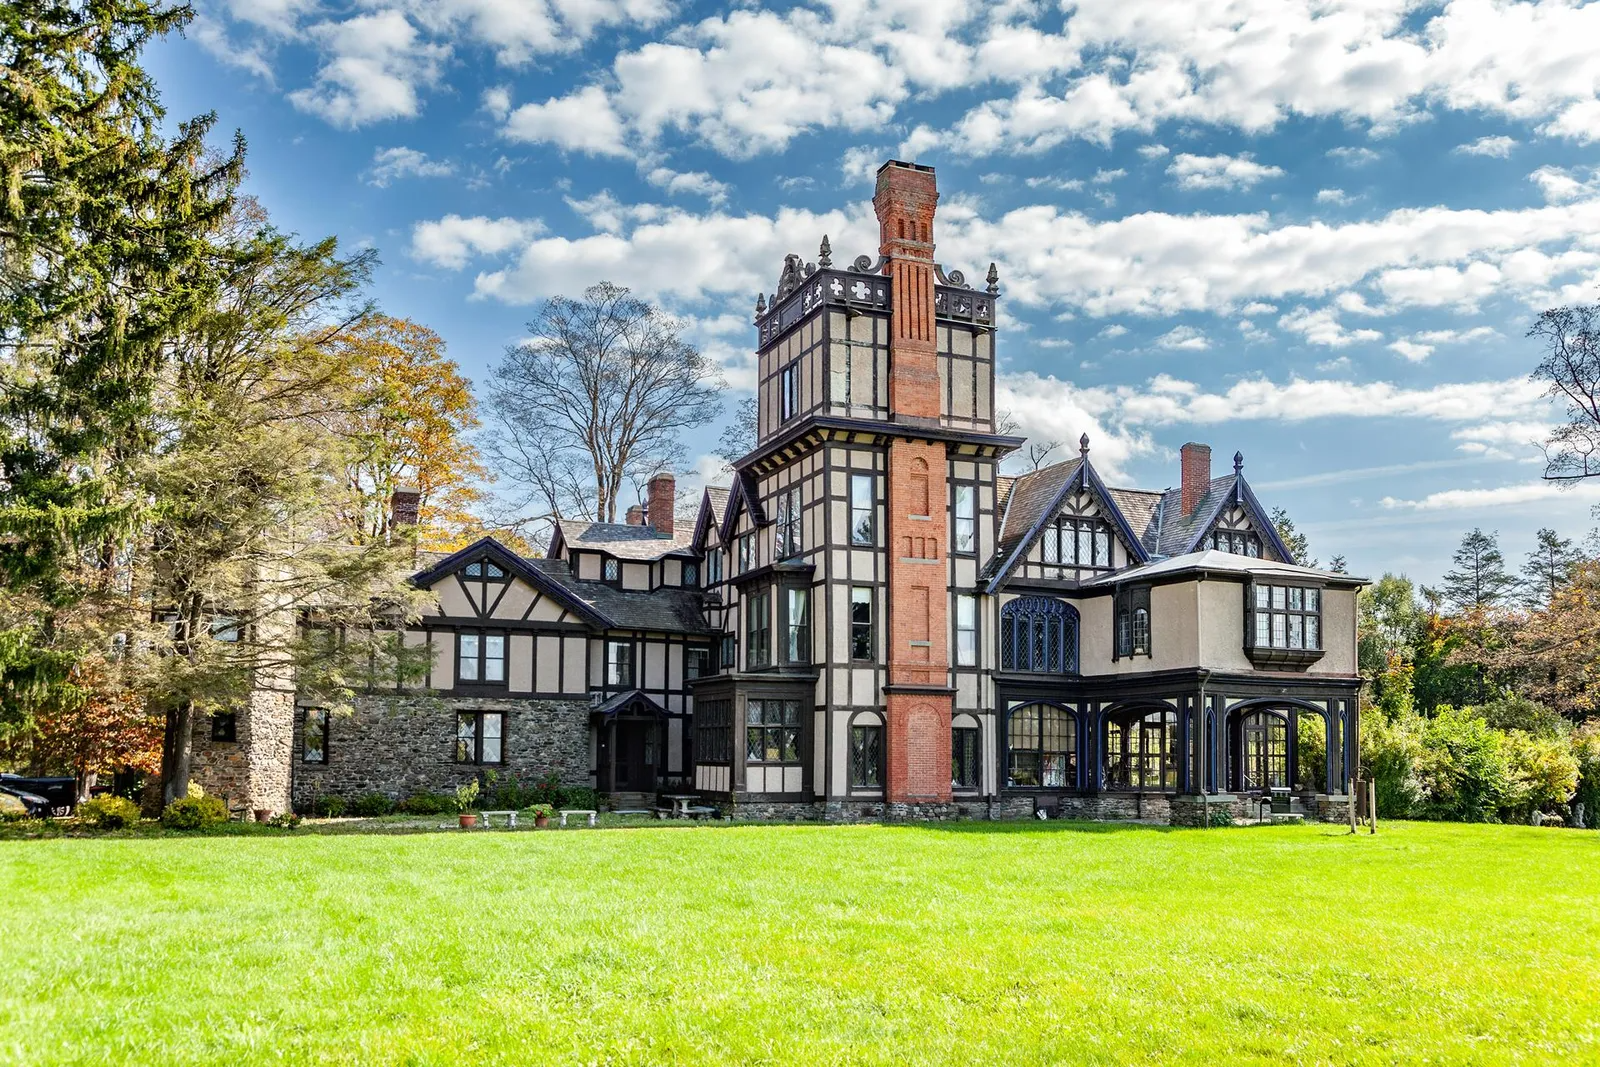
[(904, 201), (635, 516), (660, 502), (405, 507), (1196, 476)]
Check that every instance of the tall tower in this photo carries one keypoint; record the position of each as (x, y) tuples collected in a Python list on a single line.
[(918, 697)]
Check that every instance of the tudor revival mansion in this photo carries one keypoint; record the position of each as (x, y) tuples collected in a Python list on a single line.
[(871, 621)]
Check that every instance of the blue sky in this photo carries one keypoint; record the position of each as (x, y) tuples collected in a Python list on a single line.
[(1309, 230)]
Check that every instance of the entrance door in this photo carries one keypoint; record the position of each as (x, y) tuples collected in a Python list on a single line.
[(1266, 751), (636, 755)]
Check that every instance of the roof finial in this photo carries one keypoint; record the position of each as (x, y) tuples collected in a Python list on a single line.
[(761, 304), (1083, 446), (1238, 463), (825, 253), (994, 280)]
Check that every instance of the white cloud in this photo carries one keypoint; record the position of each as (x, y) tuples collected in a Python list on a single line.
[(582, 121), (1105, 177), (1153, 151), (697, 182), (1219, 172), (1499, 147), (497, 102), (453, 240), (1258, 308), (1411, 350), (1560, 185), (1456, 337), (1503, 439), (1332, 196), (859, 165), (1184, 339), (1322, 327), (378, 63), (1115, 330), (1070, 185), (391, 164), (1467, 499), (1353, 155)]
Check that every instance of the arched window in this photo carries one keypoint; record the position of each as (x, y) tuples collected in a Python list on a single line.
[(1039, 633), (1142, 752), (1042, 747), (1265, 737)]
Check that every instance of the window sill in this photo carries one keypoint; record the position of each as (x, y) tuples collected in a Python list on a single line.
[(1294, 659)]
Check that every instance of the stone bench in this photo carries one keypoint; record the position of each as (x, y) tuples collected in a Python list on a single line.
[(578, 811), (700, 812), (509, 816)]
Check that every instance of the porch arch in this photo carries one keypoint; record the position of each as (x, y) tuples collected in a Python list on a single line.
[(1290, 710)]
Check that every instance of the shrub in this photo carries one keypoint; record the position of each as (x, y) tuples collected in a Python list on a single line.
[(580, 796), (328, 807), (429, 804), (195, 813), (371, 805), (109, 812), (1463, 768), (1512, 712), (1586, 750), (1544, 772), (287, 820), (1389, 754), (541, 811)]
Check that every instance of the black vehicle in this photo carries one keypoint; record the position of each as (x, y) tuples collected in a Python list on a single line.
[(38, 807), (59, 794)]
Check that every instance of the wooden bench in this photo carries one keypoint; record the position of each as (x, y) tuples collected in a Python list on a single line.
[(578, 811), (488, 818)]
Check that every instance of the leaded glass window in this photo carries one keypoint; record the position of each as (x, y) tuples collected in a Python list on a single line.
[(866, 757), (1287, 617), (1039, 634), (966, 520), (772, 731), (1042, 747), (964, 766), (862, 505)]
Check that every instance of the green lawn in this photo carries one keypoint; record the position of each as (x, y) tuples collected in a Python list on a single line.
[(1019, 944)]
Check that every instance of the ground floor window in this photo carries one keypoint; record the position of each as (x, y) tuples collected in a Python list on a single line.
[(964, 757), (1142, 753), (479, 735), (1042, 747), (314, 737), (713, 730), (772, 731), (866, 757), (1266, 751)]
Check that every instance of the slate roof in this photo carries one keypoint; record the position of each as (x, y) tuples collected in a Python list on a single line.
[(1031, 495), (1214, 561), (623, 540), (664, 610)]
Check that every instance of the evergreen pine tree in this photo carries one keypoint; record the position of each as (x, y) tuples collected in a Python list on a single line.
[(1548, 569), (1479, 578)]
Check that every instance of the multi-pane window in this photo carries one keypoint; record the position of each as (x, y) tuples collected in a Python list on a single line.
[(1286, 617), (481, 658), (696, 663), (691, 575), (226, 628), (866, 757), (730, 653), (314, 737), (611, 570), (713, 731), (789, 391), (788, 527), (619, 664), (965, 536), (1133, 622), (964, 757), (758, 629), (1143, 753), (1265, 739), (966, 630), (1238, 542), (747, 552), (1077, 543), (713, 566), (772, 731), (483, 569), (1039, 634), (862, 505), (478, 737), (796, 626), (1042, 747), (860, 623)]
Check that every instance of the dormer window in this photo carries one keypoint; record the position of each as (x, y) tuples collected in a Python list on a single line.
[(611, 570), (1237, 542), (691, 574), (1077, 543)]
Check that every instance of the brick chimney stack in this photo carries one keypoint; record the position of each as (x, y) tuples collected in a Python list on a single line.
[(660, 503), (405, 507), (635, 515), (904, 202), (1196, 476)]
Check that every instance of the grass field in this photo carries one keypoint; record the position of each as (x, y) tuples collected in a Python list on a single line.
[(809, 945)]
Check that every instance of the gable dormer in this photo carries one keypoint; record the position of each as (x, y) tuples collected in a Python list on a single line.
[(487, 582)]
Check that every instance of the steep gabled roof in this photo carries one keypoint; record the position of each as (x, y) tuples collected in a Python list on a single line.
[(743, 495), (713, 506), (528, 570), (1170, 533), (1035, 498), (663, 610)]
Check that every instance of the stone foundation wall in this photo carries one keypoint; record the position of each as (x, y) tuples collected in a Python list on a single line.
[(1330, 809), (250, 772), (1202, 811), (1116, 807), (399, 745), (773, 811)]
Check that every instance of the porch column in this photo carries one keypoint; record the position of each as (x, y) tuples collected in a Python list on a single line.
[(1199, 745)]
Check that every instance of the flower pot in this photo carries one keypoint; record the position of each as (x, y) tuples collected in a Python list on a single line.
[(469, 819), (263, 814), (541, 821)]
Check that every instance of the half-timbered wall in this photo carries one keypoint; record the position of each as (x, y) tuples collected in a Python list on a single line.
[(966, 377), (1043, 562)]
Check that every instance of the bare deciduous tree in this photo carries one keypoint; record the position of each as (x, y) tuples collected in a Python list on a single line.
[(595, 399), (1570, 372)]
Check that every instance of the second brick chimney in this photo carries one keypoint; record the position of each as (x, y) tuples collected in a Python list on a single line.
[(661, 502), (1196, 476)]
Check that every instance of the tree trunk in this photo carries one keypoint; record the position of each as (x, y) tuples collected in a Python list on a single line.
[(177, 752)]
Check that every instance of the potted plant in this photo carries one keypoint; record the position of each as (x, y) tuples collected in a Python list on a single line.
[(541, 815), (467, 804)]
